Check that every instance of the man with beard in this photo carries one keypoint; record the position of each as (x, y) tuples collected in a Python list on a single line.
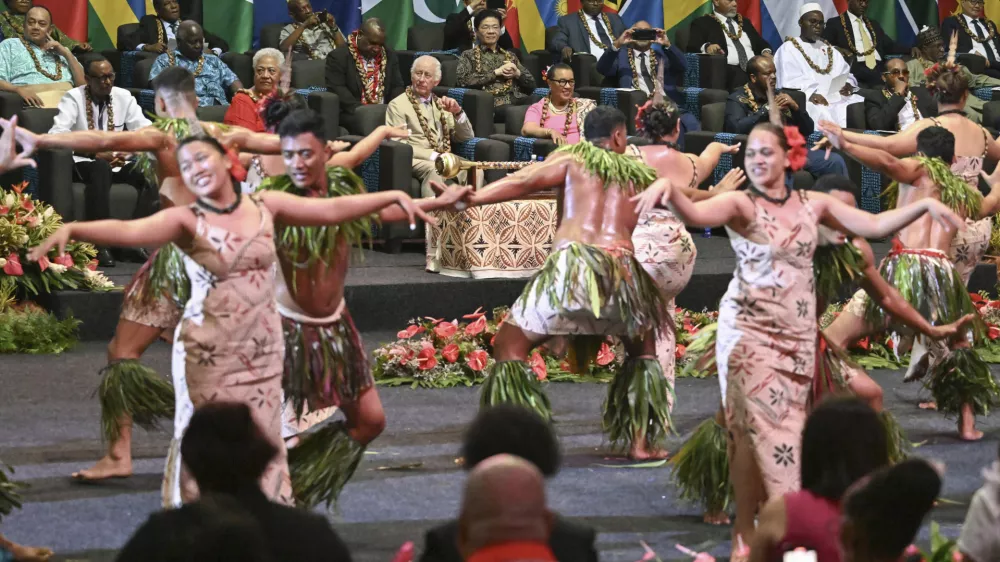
[(930, 51), (895, 106), (724, 32), (212, 77), (366, 72), (862, 42)]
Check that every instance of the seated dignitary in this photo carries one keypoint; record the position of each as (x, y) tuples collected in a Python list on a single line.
[(459, 32), (895, 106), (245, 109), (976, 34), (489, 67), (36, 67), (12, 22), (558, 116), (930, 51), (365, 72), (212, 78), (747, 106), (590, 30), (312, 34), (100, 106), (809, 64), (157, 32), (862, 42), (724, 32)]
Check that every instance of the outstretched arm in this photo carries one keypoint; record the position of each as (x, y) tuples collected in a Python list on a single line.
[(534, 178), (446, 199), (147, 139), (366, 147), (168, 225), (991, 203), (847, 218), (240, 139), (705, 163), (906, 171), (311, 211)]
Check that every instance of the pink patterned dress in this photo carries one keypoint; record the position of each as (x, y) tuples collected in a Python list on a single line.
[(969, 245), (229, 345), (766, 347)]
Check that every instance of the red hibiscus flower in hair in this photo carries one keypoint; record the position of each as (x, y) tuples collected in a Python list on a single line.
[(445, 330), (537, 365), (477, 360), (13, 265), (410, 331), (64, 259), (426, 359), (477, 327), (796, 148), (450, 352), (605, 355)]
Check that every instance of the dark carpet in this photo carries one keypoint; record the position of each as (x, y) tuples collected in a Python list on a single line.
[(408, 481)]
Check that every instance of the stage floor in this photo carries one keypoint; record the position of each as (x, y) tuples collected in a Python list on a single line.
[(49, 427)]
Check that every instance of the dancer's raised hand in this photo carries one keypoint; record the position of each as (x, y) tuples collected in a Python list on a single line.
[(10, 159), (950, 330), (27, 139), (658, 193), (58, 239), (944, 216), (733, 180), (456, 197), (992, 180), (413, 211)]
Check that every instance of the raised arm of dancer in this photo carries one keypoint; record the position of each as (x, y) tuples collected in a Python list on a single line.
[(241, 139), (147, 139), (10, 158), (722, 210), (168, 225), (900, 144), (730, 182), (991, 203), (906, 171), (444, 200), (705, 163), (891, 300), (312, 211), (846, 218), (367, 146), (536, 177)]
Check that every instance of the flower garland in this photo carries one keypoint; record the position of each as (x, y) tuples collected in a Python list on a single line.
[(172, 59), (850, 36), (160, 32), (373, 89), (569, 117), (653, 61), (443, 144), (739, 28), (91, 120), (911, 97), (504, 86), (607, 27), (814, 66), (38, 65), (797, 151), (16, 25), (990, 29)]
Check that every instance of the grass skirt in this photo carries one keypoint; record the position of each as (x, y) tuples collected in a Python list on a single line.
[(163, 274), (9, 498), (130, 389), (513, 382), (700, 469), (963, 377), (638, 405), (322, 463)]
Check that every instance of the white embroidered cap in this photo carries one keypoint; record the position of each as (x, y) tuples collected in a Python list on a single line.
[(810, 7)]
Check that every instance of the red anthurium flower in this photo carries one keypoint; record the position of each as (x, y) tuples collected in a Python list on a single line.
[(92, 265), (477, 327), (410, 331), (477, 360), (606, 355), (994, 332), (426, 359), (64, 259), (538, 366), (43, 263), (475, 315), (679, 351), (445, 330), (450, 352), (863, 343), (976, 297), (27, 204), (4, 210), (13, 266), (434, 321)]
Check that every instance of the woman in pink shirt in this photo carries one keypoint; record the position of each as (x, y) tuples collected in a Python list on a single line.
[(558, 116)]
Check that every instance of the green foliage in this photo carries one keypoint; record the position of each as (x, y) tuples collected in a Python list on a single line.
[(834, 267), (958, 195), (637, 405), (9, 498), (30, 329), (513, 382), (322, 463), (128, 389), (963, 378), (700, 468), (611, 167)]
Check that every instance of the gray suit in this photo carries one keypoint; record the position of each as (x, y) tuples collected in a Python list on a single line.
[(573, 33)]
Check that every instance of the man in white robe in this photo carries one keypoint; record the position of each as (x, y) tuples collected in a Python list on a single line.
[(810, 64)]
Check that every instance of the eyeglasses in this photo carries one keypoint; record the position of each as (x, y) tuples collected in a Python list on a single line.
[(485, 28), (563, 83), (104, 78), (898, 72), (976, 2)]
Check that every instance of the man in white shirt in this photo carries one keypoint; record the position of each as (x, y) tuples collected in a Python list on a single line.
[(862, 42), (99, 105), (975, 34), (590, 30), (809, 64), (725, 32)]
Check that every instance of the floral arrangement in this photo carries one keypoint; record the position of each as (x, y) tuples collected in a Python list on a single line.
[(942, 549), (689, 324), (24, 223), (27, 328)]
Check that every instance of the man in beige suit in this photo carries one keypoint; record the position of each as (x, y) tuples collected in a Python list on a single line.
[(425, 114)]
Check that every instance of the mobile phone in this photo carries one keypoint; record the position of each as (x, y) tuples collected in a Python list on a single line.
[(496, 4), (644, 35)]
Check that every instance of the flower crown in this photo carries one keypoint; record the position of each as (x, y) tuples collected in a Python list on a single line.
[(797, 150), (665, 105), (949, 65)]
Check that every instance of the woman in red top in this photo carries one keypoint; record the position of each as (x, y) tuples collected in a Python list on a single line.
[(244, 111), (843, 441)]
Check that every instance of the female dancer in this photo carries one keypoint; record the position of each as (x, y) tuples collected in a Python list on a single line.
[(228, 344), (767, 320)]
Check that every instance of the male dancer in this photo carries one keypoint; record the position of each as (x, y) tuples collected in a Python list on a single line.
[(130, 392), (325, 362), (591, 284)]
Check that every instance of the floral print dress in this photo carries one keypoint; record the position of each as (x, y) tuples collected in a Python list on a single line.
[(969, 245), (766, 347)]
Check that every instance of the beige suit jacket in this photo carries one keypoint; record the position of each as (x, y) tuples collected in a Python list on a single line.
[(400, 113)]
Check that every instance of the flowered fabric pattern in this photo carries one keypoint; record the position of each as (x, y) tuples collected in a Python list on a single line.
[(17, 67), (210, 85)]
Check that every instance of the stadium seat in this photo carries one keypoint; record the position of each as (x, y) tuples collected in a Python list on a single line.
[(270, 35), (212, 113), (625, 100), (308, 73), (713, 118), (449, 73), (326, 104), (140, 76), (425, 37), (521, 148), (241, 65), (390, 167), (124, 31), (856, 116), (477, 104)]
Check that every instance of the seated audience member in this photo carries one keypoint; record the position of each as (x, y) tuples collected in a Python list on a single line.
[(843, 441), (366, 72), (489, 67), (226, 452), (809, 64), (590, 30), (312, 34), (724, 32), (101, 106), (862, 42), (747, 106), (513, 430), (35, 67), (976, 35), (558, 116), (980, 538), (637, 64), (434, 122), (211, 76), (896, 106), (157, 32), (12, 22), (459, 33), (244, 111), (883, 513), (930, 51)]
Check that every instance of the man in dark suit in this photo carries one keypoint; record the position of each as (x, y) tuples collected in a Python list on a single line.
[(513, 430), (865, 47), (158, 33), (366, 50), (458, 31), (895, 106), (724, 32), (747, 106), (976, 35), (589, 31)]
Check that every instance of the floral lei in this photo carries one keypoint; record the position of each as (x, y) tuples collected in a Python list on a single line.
[(91, 120), (505, 85), (444, 143), (569, 116), (754, 106), (371, 91), (850, 36), (172, 59), (653, 60), (739, 28), (990, 29), (38, 65), (796, 148), (607, 25), (814, 66)]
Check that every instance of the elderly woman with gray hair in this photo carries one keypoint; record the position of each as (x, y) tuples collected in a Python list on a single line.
[(244, 111)]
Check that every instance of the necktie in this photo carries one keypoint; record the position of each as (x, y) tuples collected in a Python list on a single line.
[(645, 73), (740, 51), (981, 31), (601, 33), (866, 45), (173, 28)]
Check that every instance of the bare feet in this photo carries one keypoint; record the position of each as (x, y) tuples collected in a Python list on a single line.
[(30, 553), (107, 467), (967, 424), (716, 518), (640, 452), (931, 405)]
